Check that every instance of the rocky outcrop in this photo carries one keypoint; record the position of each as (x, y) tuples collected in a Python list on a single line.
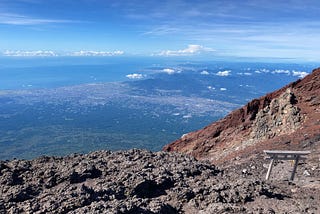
[(138, 181), (284, 119), (279, 117)]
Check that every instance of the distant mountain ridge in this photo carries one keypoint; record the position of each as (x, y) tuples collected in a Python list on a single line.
[(288, 118)]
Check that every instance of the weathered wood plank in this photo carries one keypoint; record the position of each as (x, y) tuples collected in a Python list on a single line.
[(284, 152), (294, 168), (285, 155), (287, 158), (269, 169)]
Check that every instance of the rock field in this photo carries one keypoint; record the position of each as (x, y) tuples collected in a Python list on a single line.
[(139, 181)]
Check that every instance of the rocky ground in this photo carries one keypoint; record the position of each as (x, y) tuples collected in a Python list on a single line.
[(138, 181)]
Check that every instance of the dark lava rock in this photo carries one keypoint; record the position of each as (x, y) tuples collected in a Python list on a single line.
[(138, 181), (148, 189)]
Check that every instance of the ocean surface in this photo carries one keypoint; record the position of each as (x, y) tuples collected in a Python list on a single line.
[(47, 72)]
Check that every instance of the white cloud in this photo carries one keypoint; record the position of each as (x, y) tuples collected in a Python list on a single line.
[(187, 116), (162, 30), (96, 53), (281, 71), (223, 73), (245, 73), (18, 19), (223, 89), (47, 53), (264, 70), (190, 50), (299, 74), (135, 76), (29, 53), (204, 73), (170, 71)]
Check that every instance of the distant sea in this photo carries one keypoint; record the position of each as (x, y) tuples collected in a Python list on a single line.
[(51, 72)]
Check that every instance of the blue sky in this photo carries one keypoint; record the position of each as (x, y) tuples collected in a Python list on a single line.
[(226, 28)]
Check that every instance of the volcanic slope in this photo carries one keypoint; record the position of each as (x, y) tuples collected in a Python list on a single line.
[(287, 119)]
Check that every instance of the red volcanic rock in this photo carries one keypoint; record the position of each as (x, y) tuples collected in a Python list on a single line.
[(288, 118)]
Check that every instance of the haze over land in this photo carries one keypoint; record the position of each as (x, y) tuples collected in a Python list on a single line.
[(153, 70), (57, 109)]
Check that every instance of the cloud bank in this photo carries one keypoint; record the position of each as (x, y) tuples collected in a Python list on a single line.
[(223, 73), (29, 53), (170, 71), (96, 53), (299, 74), (204, 73), (281, 71), (135, 76), (190, 50), (49, 53)]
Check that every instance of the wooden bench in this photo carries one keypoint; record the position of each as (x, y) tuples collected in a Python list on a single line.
[(285, 155)]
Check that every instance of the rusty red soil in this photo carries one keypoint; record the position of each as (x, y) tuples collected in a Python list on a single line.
[(232, 136)]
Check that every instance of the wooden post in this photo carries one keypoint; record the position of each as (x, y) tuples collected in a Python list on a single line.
[(294, 167), (285, 155), (270, 168)]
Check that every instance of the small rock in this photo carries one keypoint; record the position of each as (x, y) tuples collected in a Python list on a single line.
[(306, 173), (294, 190), (271, 211)]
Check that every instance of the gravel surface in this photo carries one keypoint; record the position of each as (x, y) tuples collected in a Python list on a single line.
[(139, 181)]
